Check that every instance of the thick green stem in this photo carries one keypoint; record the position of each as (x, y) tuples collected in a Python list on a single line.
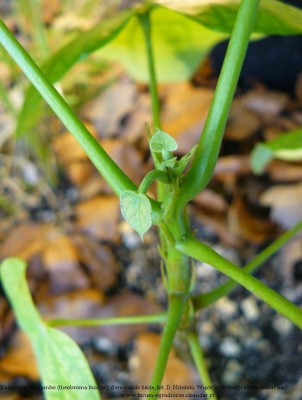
[(208, 148), (174, 314), (177, 265), (131, 320), (107, 167), (204, 253), (201, 365), (205, 299)]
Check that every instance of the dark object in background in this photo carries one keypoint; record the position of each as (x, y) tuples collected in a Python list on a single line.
[(275, 61)]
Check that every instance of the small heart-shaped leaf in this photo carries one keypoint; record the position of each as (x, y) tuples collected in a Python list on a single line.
[(136, 209), (162, 141)]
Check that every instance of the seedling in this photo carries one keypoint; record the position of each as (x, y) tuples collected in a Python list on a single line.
[(178, 181)]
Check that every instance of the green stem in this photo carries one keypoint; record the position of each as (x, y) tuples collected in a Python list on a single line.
[(111, 172), (131, 320), (201, 365), (205, 299), (200, 251), (146, 25), (206, 155), (117, 179), (174, 314), (152, 176)]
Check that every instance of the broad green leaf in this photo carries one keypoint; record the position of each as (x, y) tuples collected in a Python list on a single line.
[(162, 141), (179, 45), (136, 209), (287, 146), (275, 18), (60, 360), (63, 59)]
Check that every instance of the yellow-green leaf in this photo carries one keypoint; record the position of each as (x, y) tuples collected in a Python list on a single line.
[(61, 362)]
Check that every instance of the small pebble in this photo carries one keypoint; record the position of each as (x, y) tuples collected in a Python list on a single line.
[(232, 373), (250, 308), (226, 308), (282, 325), (229, 347)]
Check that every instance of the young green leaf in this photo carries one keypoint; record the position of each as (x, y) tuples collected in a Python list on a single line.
[(60, 360), (184, 161), (287, 146), (169, 164), (162, 141), (136, 209)]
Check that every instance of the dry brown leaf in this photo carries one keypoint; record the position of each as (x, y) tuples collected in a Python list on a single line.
[(184, 113), (228, 168), (134, 128), (99, 217), (281, 171), (79, 304), (25, 240), (290, 255), (218, 224), (67, 148), (242, 123), (127, 157), (266, 104), (126, 304), (79, 172), (19, 359), (108, 110), (247, 226), (99, 262), (143, 360), (211, 200), (61, 260), (285, 202)]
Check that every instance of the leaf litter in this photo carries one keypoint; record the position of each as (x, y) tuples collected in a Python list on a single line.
[(80, 263)]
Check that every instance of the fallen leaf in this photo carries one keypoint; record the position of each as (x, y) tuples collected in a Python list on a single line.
[(291, 254), (107, 111), (142, 362), (285, 202), (99, 217), (243, 223), (128, 158), (126, 304), (266, 104), (100, 263), (61, 260), (25, 240), (242, 123), (19, 359), (66, 141), (184, 113), (79, 304), (211, 200), (281, 171)]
